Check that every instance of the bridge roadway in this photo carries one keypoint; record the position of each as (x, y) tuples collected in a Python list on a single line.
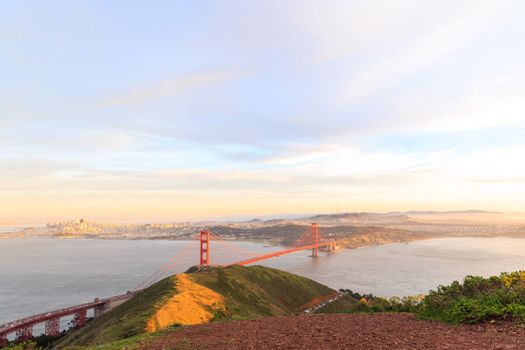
[(24, 326), (331, 245)]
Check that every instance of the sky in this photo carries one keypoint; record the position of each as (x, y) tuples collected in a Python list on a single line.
[(186, 110)]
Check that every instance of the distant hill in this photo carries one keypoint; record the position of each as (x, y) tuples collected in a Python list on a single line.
[(359, 218), (228, 293), (372, 216), (465, 212)]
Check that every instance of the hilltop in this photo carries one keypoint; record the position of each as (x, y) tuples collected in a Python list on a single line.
[(479, 313), (229, 293)]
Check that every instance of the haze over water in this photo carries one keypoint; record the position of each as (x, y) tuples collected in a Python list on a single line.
[(43, 274)]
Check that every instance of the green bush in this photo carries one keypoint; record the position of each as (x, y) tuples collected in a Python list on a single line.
[(477, 300), (27, 345), (371, 303)]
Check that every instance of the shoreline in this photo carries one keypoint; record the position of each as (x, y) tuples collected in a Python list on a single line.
[(265, 243)]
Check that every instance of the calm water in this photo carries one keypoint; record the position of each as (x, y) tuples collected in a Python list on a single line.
[(37, 275)]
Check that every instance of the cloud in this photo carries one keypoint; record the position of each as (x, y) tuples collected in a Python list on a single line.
[(427, 49), (368, 103), (492, 163), (301, 153), (167, 88), (478, 105), (339, 28)]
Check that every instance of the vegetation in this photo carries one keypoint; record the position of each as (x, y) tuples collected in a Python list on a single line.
[(477, 300), (37, 343), (355, 302), (126, 320), (248, 292), (260, 291), (27, 345)]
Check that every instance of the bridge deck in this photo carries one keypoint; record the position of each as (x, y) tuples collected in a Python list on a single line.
[(46, 316), (281, 252)]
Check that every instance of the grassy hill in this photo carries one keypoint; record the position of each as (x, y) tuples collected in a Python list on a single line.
[(124, 321), (260, 291), (227, 293)]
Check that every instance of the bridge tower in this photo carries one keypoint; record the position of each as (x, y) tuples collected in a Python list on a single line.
[(80, 318), (53, 327), (205, 248), (100, 310), (315, 240), (3, 340), (23, 334)]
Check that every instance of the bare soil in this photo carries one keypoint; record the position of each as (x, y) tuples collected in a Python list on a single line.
[(348, 331)]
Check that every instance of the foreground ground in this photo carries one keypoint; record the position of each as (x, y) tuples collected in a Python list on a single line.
[(349, 331)]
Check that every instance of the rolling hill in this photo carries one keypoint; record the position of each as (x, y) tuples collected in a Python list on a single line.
[(229, 293)]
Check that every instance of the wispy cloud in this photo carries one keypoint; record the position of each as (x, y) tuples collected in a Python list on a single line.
[(167, 88), (427, 49)]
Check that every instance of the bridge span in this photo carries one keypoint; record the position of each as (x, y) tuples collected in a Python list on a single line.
[(312, 239), (329, 245), (23, 328)]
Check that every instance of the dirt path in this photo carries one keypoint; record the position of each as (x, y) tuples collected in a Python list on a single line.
[(355, 331), (329, 300)]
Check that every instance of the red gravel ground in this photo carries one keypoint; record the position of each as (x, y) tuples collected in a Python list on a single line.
[(352, 331)]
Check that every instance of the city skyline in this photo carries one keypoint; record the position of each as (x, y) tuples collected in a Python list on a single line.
[(173, 111)]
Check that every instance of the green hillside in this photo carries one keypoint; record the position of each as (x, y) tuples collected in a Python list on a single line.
[(124, 321), (260, 291), (248, 292)]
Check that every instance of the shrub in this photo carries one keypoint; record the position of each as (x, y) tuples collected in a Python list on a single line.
[(371, 303), (477, 299), (27, 345)]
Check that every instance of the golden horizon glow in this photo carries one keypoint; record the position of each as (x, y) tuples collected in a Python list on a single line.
[(210, 112)]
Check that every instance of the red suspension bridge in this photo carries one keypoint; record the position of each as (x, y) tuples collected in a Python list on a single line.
[(310, 239), (22, 329)]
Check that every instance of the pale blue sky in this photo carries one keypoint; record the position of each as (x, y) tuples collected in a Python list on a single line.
[(160, 110)]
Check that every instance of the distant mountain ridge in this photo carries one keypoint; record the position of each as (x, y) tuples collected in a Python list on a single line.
[(372, 217)]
